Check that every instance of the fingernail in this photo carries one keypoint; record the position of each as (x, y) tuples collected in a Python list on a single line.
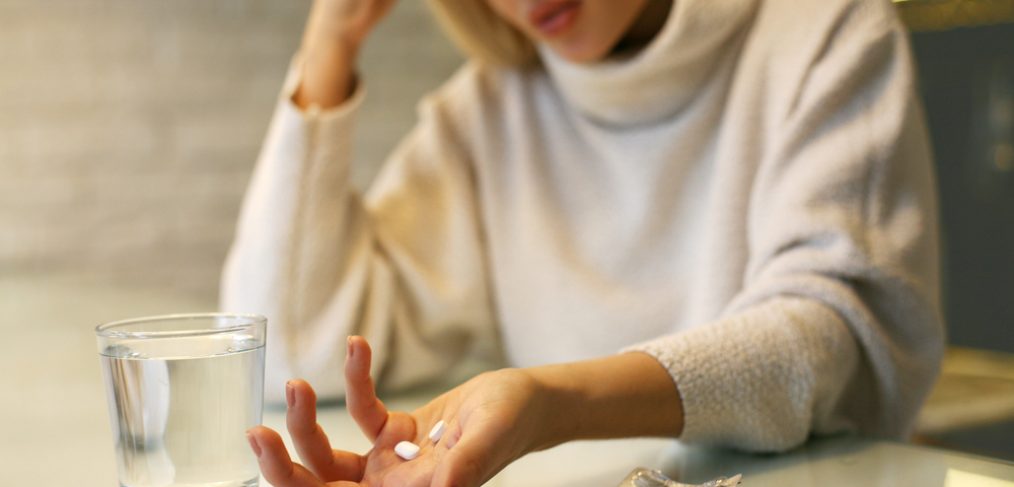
[(253, 445), (290, 395), (349, 346)]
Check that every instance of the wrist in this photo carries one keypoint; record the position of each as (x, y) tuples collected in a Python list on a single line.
[(331, 39), (556, 405), (326, 77), (329, 49), (620, 396), (336, 24)]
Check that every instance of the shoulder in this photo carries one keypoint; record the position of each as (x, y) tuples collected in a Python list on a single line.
[(804, 51), (807, 21), (806, 32)]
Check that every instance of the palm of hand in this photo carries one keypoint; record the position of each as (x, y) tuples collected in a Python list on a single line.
[(487, 408), (381, 462), (483, 434)]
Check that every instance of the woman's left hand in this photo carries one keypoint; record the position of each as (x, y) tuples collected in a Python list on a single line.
[(490, 420)]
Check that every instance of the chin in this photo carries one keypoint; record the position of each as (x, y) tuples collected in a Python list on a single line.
[(581, 55)]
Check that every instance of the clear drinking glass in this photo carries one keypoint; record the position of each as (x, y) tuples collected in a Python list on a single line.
[(183, 390)]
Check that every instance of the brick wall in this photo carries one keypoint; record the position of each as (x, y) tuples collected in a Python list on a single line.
[(128, 128)]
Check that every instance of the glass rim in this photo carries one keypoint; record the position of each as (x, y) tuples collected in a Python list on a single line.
[(108, 329)]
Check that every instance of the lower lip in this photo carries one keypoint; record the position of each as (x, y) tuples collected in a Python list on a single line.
[(560, 21)]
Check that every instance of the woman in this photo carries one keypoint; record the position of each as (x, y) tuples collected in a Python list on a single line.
[(737, 194)]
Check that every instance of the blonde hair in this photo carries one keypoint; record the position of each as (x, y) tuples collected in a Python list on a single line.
[(482, 34)]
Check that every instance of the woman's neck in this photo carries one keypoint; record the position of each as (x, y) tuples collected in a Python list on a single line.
[(645, 28)]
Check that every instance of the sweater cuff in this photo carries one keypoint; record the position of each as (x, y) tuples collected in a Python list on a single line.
[(750, 380), (327, 119)]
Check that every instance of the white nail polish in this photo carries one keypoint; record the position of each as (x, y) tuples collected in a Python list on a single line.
[(437, 431), (407, 450)]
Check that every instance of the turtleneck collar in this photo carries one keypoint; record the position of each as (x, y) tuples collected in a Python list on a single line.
[(661, 78)]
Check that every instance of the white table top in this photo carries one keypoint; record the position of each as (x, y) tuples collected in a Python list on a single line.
[(840, 461), (55, 430)]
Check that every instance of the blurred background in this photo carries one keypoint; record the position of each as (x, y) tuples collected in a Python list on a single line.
[(128, 130)]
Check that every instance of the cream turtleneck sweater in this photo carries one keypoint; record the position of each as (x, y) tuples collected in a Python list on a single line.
[(749, 199)]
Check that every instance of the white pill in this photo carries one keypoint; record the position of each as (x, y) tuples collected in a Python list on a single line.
[(437, 431), (407, 450)]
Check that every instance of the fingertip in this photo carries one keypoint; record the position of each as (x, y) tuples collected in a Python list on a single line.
[(302, 392), (452, 436), (264, 436), (272, 456), (269, 448), (301, 416), (254, 445), (357, 362), (357, 346), (258, 430)]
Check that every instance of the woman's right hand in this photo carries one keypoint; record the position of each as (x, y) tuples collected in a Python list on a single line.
[(335, 31), (490, 421)]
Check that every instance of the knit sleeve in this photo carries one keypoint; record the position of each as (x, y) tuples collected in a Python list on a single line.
[(404, 268), (837, 325)]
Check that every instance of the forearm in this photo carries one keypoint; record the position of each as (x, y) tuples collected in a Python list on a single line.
[(334, 32), (326, 77), (625, 395)]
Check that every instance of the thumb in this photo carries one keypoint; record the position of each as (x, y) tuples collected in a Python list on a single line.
[(469, 463)]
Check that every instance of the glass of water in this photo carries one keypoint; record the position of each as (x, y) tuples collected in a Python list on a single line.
[(183, 390)]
